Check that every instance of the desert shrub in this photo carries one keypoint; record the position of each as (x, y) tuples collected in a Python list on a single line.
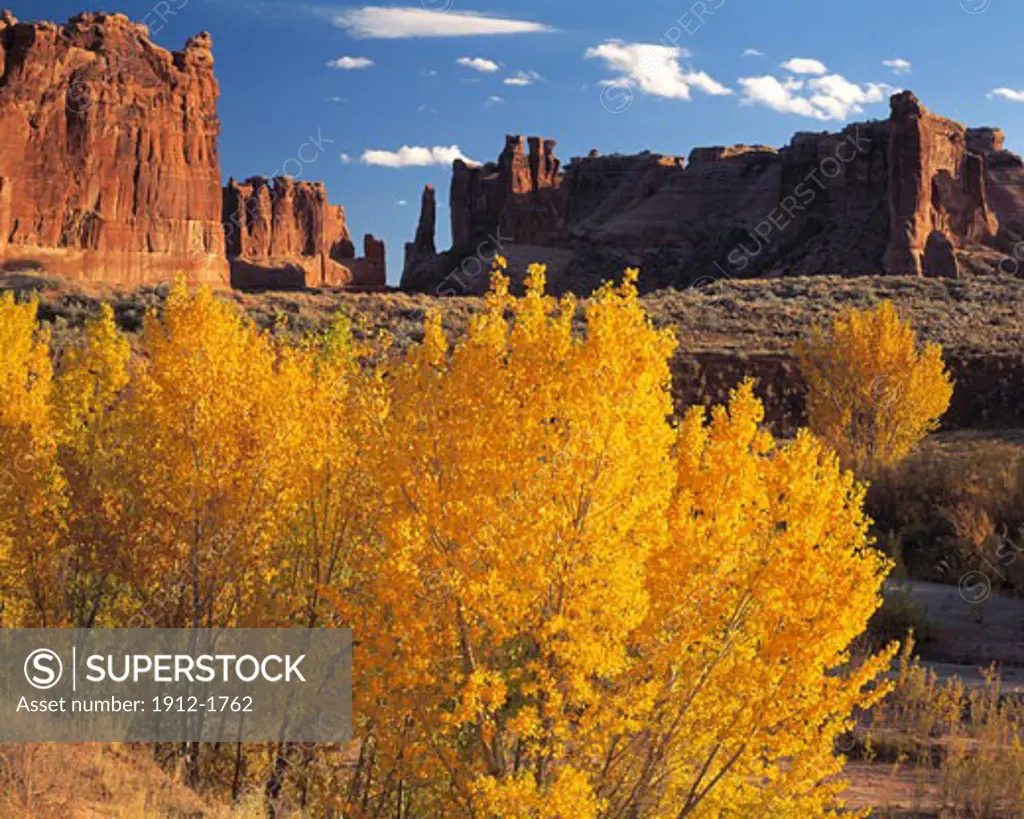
[(972, 736), (898, 616), (982, 772), (566, 603), (954, 506), (920, 706), (873, 393)]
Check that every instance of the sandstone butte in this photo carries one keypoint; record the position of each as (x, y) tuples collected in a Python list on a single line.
[(109, 170), (916, 194)]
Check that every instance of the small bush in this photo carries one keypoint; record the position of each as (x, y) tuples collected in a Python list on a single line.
[(972, 737), (872, 393), (898, 617)]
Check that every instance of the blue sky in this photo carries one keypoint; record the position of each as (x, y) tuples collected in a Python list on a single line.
[(366, 80)]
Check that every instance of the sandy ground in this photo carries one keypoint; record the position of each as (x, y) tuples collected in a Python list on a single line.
[(905, 791), (970, 637)]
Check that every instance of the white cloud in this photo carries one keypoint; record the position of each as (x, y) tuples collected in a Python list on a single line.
[(831, 97), (350, 63), (804, 65), (401, 202), (428, 109), (396, 23), (494, 100), (898, 65), (414, 157), (478, 64), (752, 52), (771, 93), (522, 78), (430, 73), (1006, 94), (345, 159), (335, 99), (655, 69)]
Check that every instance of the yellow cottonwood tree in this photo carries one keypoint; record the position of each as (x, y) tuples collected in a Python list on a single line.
[(31, 487), (524, 475), (336, 502), (578, 610), (873, 392), (766, 579), (92, 450), (213, 434)]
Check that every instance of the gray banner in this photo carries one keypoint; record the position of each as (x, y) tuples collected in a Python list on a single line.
[(175, 685)]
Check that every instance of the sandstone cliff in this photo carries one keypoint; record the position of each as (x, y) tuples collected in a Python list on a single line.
[(109, 169), (108, 152), (915, 194), (936, 191), (283, 233)]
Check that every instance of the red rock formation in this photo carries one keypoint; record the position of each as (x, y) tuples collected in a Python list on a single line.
[(426, 230), (909, 195), (284, 233), (1004, 189), (371, 269), (423, 247), (108, 152), (984, 140), (936, 185), (109, 170), (518, 196)]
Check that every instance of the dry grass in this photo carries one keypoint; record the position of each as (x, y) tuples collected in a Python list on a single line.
[(977, 314), (961, 750), (726, 330), (107, 781), (53, 781)]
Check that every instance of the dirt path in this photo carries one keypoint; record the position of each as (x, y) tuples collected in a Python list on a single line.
[(972, 636)]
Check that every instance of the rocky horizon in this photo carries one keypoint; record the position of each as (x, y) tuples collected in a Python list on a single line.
[(109, 171), (917, 194)]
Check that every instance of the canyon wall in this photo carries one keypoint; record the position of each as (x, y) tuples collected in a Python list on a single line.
[(109, 169), (916, 194)]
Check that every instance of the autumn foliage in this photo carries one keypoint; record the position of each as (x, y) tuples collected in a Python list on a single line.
[(566, 604), (873, 391)]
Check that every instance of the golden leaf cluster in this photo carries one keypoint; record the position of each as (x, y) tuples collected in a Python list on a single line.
[(565, 602)]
